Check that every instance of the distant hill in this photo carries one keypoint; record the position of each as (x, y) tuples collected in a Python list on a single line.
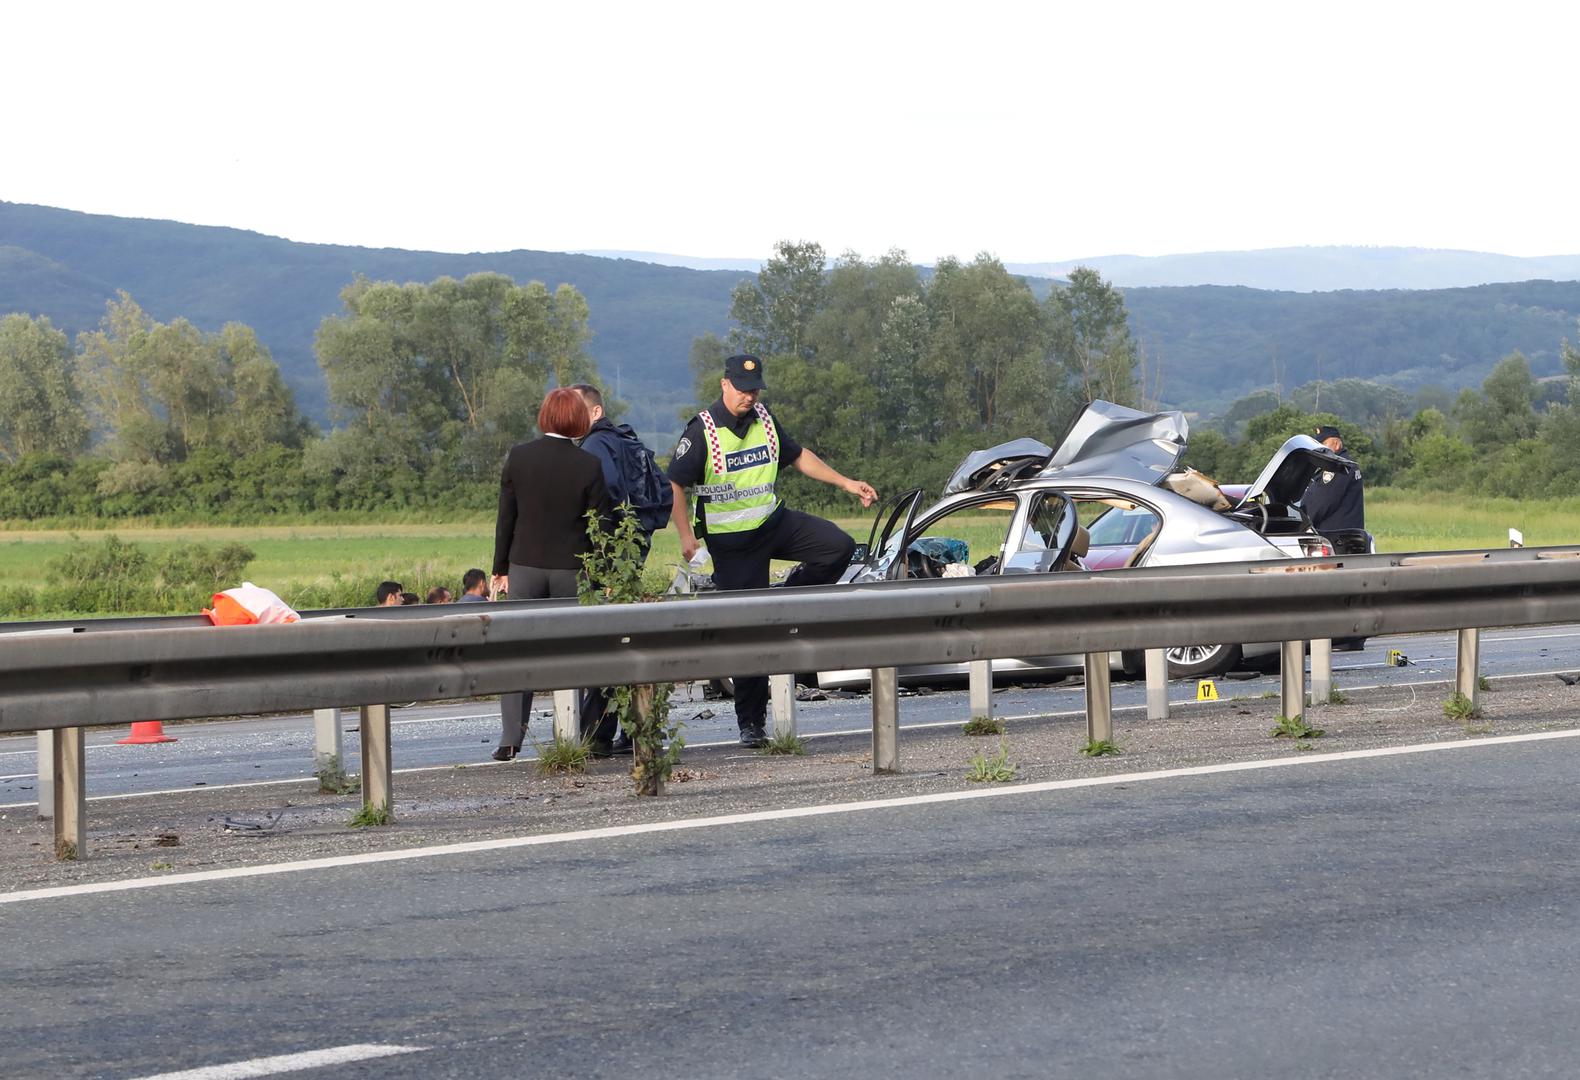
[(66, 264), (690, 262), (1318, 269), (1212, 344)]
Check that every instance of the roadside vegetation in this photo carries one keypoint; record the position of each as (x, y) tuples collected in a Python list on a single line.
[(997, 769)]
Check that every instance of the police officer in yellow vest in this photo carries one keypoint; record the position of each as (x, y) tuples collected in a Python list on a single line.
[(729, 456)]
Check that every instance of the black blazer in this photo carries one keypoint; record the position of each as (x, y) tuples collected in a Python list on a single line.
[(545, 491)]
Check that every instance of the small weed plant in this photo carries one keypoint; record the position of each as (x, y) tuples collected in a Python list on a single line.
[(1459, 707), (1099, 747), (984, 725), (332, 777), (1304, 745), (1285, 727), (370, 815), (1483, 683), (612, 574), (785, 743), (562, 756), (1337, 697), (998, 769)]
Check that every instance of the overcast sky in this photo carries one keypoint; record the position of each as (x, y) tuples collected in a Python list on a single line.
[(1044, 131)]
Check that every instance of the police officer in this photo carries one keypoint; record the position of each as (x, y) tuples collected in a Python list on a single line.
[(1335, 501), (730, 455)]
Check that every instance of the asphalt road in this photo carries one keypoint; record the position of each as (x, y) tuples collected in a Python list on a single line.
[(281, 748), (1414, 915)]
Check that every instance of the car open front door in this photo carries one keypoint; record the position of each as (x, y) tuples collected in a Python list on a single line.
[(875, 558)]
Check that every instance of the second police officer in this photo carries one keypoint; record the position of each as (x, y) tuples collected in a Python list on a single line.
[(730, 455)]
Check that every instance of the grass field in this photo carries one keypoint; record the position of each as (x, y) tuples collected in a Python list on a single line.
[(291, 558)]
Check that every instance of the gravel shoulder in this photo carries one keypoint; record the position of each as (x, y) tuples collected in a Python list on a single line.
[(221, 828)]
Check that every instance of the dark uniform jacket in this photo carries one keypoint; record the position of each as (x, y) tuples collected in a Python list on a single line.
[(545, 491), (1335, 501)]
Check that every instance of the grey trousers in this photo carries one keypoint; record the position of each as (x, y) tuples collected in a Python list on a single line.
[(529, 583)]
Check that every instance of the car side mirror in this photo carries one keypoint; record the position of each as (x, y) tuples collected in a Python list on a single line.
[(859, 556)]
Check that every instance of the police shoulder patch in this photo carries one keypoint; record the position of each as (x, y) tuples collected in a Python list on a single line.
[(681, 447)]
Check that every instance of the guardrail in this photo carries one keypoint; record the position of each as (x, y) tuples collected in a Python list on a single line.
[(65, 676)]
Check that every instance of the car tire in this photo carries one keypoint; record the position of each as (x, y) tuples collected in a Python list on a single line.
[(1198, 661), (724, 686)]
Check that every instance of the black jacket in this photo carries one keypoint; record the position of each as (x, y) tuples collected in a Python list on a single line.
[(545, 491), (1335, 500)]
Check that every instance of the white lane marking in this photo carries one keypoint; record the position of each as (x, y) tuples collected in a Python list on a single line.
[(269, 1066), (823, 810)]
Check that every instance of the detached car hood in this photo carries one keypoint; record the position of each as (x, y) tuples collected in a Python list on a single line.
[(1290, 470), (1111, 440)]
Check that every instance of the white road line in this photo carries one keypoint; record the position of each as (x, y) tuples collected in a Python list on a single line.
[(823, 810), (269, 1066)]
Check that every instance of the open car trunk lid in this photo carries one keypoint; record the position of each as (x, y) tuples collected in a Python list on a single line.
[(1115, 441), (1289, 471)]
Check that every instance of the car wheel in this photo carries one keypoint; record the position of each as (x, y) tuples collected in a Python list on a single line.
[(724, 686), (1195, 661)]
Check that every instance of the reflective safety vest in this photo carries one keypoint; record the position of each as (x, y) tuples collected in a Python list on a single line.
[(738, 479)]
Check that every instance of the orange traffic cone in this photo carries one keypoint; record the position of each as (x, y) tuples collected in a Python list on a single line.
[(147, 731)]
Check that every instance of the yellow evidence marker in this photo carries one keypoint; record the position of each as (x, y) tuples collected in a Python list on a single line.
[(1206, 690)]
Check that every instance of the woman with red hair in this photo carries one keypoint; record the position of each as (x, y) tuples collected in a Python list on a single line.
[(545, 491)]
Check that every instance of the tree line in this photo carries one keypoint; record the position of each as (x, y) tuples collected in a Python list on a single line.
[(430, 385), (894, 373), (891, 371)]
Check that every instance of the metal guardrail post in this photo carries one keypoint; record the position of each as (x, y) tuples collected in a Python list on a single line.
[(69, 796), (1321, 670), (376, 758), (1467, 673), (781, 692), (1292, 666), (1099, 701), (46, 774), (885, 720), (981, 676), (567, 728), (1157, 684), (327, 743)]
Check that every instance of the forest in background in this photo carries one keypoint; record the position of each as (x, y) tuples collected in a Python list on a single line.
[(891, 374), (1206, 346)]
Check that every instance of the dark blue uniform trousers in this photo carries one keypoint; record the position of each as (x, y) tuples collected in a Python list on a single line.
[(822, 548)]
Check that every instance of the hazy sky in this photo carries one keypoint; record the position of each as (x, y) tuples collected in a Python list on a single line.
[(1038, 132)]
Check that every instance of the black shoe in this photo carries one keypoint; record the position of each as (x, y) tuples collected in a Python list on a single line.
[(505, 753), (754, 735), (599, 749), (621, 744)]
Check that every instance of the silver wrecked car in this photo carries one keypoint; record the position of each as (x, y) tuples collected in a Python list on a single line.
[(1111, 496)]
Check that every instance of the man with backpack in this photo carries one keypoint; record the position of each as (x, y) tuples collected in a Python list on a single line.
[(637, 484), (629, 467)]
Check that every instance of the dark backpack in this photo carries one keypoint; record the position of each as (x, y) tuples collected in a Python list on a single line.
[(640, 481)]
